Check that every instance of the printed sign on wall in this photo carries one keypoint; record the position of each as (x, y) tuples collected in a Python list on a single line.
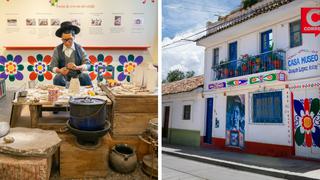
[(235, 121), (303, 64)]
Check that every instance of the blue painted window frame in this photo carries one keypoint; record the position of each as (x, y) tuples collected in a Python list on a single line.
[(267, 107), (266, 41), (295, 34), (233, 54)]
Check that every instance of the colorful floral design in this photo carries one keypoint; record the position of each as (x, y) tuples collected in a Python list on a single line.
[(11, 67), (128, 66), (307, 122), (102, 64), (39, 67)]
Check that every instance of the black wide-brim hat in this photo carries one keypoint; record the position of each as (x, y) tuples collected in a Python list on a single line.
[(67, 25)]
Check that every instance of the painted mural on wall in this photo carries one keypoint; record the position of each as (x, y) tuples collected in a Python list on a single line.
[(235, 121), (39, 67), (101, 65), (255, 79), (11, 67), (127, 66), (307, 122)]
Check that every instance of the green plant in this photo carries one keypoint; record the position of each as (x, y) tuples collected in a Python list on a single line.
[(248, 3)]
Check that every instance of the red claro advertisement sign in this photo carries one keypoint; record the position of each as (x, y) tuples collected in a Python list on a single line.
[(310, 20)]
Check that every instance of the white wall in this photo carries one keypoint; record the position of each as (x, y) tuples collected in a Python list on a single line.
[(127, 34), (247, 34), (176, 103), (107, 35), (279, 134)]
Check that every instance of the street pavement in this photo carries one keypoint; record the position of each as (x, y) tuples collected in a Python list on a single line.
[(175, 168), (287, 168)]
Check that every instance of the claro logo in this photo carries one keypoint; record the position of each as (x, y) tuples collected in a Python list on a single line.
[(310, 20)]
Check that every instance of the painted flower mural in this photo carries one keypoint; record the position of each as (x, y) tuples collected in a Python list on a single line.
[(10, 67), (128, 66), (39, 67), (103, 64), (307, 122)]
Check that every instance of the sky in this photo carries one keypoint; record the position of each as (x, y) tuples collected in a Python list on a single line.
[(182, 18)]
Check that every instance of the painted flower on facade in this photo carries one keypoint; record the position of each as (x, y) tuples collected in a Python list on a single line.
[(39, 67), (101, 63), (307, 122), (128, 66), (10, 67)]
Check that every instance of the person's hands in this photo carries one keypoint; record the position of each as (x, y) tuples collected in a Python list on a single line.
[(79, 68), (64, 71), (72, 66)]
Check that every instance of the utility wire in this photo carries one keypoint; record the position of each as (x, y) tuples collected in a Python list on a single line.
[(185, 43), (187, 38), (197, 10)]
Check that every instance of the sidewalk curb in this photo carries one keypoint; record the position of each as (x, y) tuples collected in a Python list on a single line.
[(242, 167)]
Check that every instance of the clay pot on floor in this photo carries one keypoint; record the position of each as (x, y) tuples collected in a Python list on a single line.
[(123, 158)]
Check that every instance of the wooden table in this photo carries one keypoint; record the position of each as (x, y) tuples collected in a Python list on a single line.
[(131, 113), (36, 109)]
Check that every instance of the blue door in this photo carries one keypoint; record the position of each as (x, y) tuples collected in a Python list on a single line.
[(233, 55), (208, 136)]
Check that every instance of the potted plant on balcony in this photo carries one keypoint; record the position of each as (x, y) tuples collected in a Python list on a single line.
[(276, 61), (244, 63), (244, 67), (238, 71), (225, 69)]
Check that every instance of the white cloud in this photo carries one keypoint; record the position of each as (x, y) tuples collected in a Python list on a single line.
[(186, 56), (184, 18)]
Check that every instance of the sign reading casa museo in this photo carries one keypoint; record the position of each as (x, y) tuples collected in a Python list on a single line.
[(303, 64)]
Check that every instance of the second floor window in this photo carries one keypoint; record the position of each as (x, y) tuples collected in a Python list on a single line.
[(266, 41), (186, 112), (295, 34), (215, 59)]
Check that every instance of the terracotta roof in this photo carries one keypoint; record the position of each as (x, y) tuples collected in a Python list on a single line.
[(240, 15), (183, 85)]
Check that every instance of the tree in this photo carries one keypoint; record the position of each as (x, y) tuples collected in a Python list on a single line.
[(189, 74), (248, 3), (175, 75)]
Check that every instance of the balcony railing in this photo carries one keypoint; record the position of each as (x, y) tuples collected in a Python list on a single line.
[(272, 60)]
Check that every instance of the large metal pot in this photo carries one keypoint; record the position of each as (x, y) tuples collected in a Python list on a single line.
[(123, 158), (88, 113)]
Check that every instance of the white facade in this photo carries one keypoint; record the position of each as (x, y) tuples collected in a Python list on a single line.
[(176, 103), (247, 34)]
